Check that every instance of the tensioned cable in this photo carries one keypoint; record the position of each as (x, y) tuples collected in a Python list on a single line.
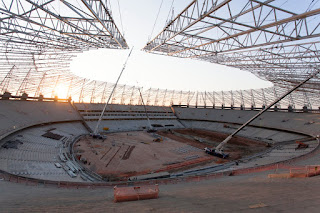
[(171, 8), (115, 85), (120, 17), (156, 20), (311, 6)]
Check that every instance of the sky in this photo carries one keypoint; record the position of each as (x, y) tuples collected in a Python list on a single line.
[(138, 22)]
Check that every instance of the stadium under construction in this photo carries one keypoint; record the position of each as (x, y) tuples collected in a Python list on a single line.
[(204, 151)]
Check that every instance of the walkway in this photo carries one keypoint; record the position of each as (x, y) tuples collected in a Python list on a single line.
[(246, 193)]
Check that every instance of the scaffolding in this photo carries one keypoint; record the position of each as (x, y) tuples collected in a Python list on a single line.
[(273, 39)]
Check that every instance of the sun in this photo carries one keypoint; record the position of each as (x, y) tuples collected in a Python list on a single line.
[(61, 91)]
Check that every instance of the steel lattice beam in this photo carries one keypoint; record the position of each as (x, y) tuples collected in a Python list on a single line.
[(43, 35), (258, 36), (39, 38)]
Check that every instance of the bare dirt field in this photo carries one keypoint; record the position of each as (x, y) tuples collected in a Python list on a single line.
[(127, 154), (237, 147)]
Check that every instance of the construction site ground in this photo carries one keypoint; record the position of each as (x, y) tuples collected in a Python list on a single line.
[(126, 154), (237, 147), (246, 193)]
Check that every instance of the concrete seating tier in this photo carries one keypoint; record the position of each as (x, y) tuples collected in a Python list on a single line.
[(114, 112), (121, 108), (281, 153), (266, 135), (35, 155), (134, 125), (16, 115), (308, 123)]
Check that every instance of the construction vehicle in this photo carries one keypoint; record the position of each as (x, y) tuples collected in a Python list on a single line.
[(218, 151), (215, 153), (98, 136), (95, 133), (150, 128), (159, 139), (301, 145)]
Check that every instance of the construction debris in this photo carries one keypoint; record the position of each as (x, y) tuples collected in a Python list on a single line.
[(158, 139), (122, 194), (259, 205), (301, 145)]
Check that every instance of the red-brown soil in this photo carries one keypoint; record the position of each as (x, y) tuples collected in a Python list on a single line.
[(237, 147), (122, 155)]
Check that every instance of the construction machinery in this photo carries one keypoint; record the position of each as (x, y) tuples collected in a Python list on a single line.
[(96, 133), (301, 145), (98, 136), (150, 127), (218, 151), (158, 139)]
